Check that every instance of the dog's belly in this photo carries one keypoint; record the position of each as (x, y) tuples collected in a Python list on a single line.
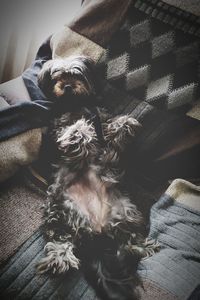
[(91, 197)]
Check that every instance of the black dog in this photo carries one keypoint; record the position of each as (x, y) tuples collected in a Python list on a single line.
[(89, 221)]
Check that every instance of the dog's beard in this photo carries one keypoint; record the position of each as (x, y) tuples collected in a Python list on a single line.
[(67, 83), (72, 103)]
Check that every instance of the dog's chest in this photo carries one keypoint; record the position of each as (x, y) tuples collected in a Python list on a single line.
[(91, 197)]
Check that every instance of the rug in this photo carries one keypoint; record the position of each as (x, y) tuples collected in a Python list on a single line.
[(20, 214)]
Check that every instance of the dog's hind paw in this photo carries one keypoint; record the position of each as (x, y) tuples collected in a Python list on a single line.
[(145, 249), (59, 258), (150, 247)]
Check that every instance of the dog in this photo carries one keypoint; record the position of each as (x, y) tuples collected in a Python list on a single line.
[(89, 221)]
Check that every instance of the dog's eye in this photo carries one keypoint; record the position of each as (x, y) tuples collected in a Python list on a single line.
[(53, 71), (78, 69), (53, 81), (56, 73)]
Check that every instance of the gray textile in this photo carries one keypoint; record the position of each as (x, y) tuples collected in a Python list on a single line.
[(20, 215), (176, 267), (153, 59), (18, 279), (192, 6)]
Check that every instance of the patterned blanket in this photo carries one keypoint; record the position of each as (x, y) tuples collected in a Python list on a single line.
[(154, 57)]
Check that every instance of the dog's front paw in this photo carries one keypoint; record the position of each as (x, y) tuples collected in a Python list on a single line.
[(59, 258), (77, 140), (119, 129)]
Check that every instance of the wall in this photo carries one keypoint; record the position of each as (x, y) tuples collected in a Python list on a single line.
[(24, 25)]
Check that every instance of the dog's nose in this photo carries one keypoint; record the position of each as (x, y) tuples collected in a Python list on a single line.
[(68, 89)]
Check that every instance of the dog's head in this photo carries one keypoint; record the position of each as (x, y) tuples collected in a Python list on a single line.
[(63, 78)]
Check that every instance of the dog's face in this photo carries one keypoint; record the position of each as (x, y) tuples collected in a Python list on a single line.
[(73, 76)]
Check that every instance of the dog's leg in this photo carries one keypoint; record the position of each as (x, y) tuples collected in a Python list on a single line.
[(59, 258), (129, 220), (145, 248), (55, 222)]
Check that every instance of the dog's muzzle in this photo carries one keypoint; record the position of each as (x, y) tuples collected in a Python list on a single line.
[(68, 90)]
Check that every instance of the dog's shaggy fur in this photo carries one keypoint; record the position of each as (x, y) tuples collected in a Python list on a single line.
[(73, 76), (89, 221)]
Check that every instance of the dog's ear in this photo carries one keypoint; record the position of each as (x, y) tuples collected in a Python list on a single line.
[(89, 72), (93, 74), (87, 61), (44, 78)]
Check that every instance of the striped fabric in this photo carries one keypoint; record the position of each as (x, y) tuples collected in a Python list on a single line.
[(18, 279), (176, 267)]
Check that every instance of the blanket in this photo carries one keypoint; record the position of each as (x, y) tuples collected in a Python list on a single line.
[(26, 115), (171, 274)]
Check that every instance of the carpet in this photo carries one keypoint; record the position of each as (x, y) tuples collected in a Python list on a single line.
[(20, 214)]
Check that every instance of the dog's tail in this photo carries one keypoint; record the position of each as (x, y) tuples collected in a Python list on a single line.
[(113, 274)]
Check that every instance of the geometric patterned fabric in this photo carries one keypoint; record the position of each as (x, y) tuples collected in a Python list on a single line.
[(152, 61)]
